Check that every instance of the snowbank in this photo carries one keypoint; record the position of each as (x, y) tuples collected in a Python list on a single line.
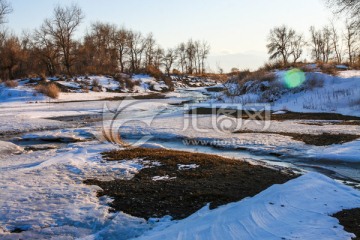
[(298, 209)]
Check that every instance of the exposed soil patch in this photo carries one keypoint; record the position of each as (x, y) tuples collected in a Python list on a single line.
[(263, 115), (85, 118), (216, 180), (215, 89), (343, 123), (312, 116), (350, 219), (324, 139), (137, 97)]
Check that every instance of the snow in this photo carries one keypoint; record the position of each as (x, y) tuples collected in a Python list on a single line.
[(279, 112), (187, 167), (298, 209), (335, 94), (70, 84), (162, 178), (200, 130), (19, 94), (7, 148), (43, 191)]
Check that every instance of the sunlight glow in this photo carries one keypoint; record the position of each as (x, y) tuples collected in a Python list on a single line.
[(294, 78)]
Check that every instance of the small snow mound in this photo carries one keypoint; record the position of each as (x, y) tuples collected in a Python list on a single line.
[(279, 112), (187, 167), (152, 145), (162, 178), (297, 209), (7, 148)]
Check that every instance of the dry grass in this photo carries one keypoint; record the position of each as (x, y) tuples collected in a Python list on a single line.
[(314, 82), (11, 83), (95, 82), (50, 90), (96, 89)]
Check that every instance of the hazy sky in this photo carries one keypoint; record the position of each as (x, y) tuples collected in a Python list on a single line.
[(236, 29)]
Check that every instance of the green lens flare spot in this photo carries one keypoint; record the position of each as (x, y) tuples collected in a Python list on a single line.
[(294, 78)]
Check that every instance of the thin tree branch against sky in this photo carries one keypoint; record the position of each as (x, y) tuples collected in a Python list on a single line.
[(230, 26)]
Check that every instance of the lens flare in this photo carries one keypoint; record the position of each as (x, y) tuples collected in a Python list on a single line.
[(294, 78)]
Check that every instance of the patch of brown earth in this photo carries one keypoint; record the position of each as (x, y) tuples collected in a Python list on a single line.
[(261, 115), (350, 219), (216, 180), (324, 139)]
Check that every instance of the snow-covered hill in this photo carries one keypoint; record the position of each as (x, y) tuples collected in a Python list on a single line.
[(297, 91)]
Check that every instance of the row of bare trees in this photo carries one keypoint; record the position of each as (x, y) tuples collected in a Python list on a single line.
[(327, 44), (105, 49)]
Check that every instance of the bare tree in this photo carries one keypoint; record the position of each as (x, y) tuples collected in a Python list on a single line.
[(326, 46), (335, 40), (150, 45), (169, 60), (62, 28), (11, 54), (350, 7), (158, 57), (5, 9), (121, 39), (351, 38), (280, 41), (136, 45), (297, 46), (46, 49), (181, 53), (191, 56), (316, 43), (204, 52)]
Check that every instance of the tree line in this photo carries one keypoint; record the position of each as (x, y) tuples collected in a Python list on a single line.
[(52, 49), (327, 44)]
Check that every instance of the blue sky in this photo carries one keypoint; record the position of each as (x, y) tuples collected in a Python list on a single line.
[(236, 29)]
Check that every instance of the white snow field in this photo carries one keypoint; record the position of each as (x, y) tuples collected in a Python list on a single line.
[(298, 209), (335, 94), (42, 195)]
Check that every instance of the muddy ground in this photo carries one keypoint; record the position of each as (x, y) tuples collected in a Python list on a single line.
[(350, 219), (324, 139), (217, 181), (266, 115)]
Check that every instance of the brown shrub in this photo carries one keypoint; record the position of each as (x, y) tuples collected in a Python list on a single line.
[(50, 90), (129, 84), (42, 76), (11, 83), (95, 82), (154, 72), (96, 89), (168, 81), (331, 70), (272, 66)]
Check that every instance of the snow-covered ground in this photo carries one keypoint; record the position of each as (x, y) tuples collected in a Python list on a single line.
[(318, 93), (42, 192), (298, 209)]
